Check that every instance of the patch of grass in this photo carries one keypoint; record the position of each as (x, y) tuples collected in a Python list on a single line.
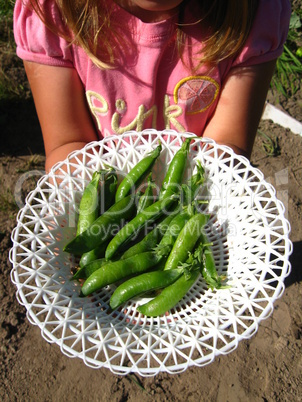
[(6, 8), (7, 201), (270, 145), (288, 73), (33, 162), (10, 88), (12, 79), (6, 23)]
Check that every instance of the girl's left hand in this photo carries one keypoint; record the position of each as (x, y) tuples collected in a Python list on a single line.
[(239, 109)]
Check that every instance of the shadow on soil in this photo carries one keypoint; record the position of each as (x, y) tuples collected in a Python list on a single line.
[(20, 132), (295, 260)]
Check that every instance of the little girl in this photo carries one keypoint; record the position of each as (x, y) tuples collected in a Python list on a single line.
[(103, 67)]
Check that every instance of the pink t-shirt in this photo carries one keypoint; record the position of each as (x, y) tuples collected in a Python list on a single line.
[(152, 88)]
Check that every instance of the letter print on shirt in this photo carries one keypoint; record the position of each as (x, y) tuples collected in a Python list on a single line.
[(137, 123), (98, 105), (196, 93), (171, 112)]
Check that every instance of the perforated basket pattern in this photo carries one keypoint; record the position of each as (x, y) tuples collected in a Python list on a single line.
[(251, 245)]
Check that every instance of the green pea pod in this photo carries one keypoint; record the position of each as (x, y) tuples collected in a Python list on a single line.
[(150, 240), (147, 198), (209, 271), (148, 215), (186, 240), (96, 253), (169, 296), (107, 196), (141, 284), (106, 200), (88, 208), (103, 227), (137, 174), (198, 178), (115, 271), (173, 178), (86, 270), (191, 188)]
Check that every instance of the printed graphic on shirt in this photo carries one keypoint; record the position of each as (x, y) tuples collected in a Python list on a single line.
[(196, 93), (191, 95)]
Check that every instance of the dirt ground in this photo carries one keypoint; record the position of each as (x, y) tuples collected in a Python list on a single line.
[(267, 367)]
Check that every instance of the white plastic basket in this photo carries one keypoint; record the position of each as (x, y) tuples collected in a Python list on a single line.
[(251, 246)]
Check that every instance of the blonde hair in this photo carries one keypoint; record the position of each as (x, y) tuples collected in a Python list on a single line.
[(88, 24)]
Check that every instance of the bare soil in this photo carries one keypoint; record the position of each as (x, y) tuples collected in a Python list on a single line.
[(267, 367)]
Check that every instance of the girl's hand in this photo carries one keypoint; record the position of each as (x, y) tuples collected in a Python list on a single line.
[(62, 110), (239, 109)]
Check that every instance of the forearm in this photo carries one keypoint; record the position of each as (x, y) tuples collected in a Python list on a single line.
[(62, 110), (60, 154), (246, 151), (236, 118)]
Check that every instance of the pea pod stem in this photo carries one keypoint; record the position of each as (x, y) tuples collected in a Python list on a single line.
[(200, 260), (209, 271), (137, 173), (191, 188), (186, 240), (172, 294)]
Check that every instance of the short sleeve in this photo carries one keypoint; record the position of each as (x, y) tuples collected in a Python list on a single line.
[(268, 33), (35, 42)]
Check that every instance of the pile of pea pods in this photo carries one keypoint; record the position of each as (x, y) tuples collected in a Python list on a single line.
[(141, 242)]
